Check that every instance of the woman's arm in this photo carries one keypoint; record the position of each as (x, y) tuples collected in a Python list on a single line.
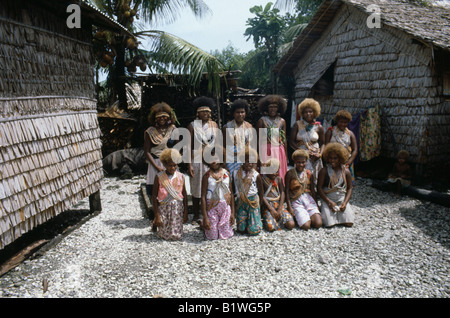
[(190, 168), (354, 146), (147, 147), (293, 137), (206, 224), (157, 220)]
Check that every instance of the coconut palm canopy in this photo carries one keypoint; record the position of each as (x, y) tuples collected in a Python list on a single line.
[(166, 53)]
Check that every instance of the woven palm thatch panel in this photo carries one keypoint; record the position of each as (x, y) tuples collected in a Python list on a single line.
[(48, 163), (39, 105), (379, 67), (34, 61)]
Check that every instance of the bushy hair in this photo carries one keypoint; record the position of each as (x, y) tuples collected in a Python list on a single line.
[(251, 153), (170, 155), (309, 103), (343, 114), (272, 161), (404, 154), (239, 103), (160, 107), (203, 101), (338, 149), (263, 104), (214, 151), (300, 153)]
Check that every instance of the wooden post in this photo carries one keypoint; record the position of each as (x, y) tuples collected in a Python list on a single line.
[(95, 203)]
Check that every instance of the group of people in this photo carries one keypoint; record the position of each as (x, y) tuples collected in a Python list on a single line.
[(226, 191)]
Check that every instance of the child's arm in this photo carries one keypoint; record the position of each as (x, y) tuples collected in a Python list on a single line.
[(157, 220), (265, 203), (320, 180), (232, 216), (349, 191), (260, 186), (311, 188), (408, 172), (185, 202), (394, 171), (323, 196), (206, 224), (282, 194), (287, 181)]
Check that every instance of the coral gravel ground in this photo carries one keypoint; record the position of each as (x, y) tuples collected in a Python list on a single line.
[(398, 247)]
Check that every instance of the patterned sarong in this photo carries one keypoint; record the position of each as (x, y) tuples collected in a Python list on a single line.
[(248, 218)]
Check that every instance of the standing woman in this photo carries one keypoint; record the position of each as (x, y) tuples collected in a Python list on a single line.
[(274, 106), (203, 133), (157, 139), (309, 135), (239, 135), (344, 136)]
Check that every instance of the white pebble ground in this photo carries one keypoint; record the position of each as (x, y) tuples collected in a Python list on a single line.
[(398, 247)]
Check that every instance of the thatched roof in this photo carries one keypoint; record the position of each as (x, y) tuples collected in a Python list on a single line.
[(426, 24), (97, 17)]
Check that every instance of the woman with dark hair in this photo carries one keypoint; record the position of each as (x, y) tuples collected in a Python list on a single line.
[(156, 139), (273, 107), (203, 133), (238, 132)]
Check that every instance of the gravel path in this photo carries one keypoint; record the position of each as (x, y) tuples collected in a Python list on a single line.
[(398, 247)]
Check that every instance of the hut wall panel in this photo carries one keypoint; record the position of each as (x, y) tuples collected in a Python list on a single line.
[(50, 148), (50, 63), (60, 163), (379, 67)]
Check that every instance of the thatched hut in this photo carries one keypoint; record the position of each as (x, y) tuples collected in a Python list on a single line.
[(345, 60), (50, 150)]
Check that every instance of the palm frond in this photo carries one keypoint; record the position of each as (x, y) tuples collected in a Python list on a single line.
[(287, 5), (181, 57), (292, 32), (156, 12)]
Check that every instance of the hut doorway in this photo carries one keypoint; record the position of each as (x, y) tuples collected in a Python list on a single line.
[(323, 89)]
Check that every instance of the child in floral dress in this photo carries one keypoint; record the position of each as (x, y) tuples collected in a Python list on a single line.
[(170, 198), (248, 183), (300, 193), (216, 202), (274, 213)]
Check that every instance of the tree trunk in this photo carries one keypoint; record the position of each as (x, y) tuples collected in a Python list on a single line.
[(120, 76)]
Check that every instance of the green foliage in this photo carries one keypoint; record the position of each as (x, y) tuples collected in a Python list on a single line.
[(266, 28), (272, 35), (230, 58), (167, 52)]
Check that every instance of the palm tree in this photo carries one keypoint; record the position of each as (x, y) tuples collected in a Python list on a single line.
[(167, 52)]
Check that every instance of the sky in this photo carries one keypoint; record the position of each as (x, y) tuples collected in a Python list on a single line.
[(226, 24)]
